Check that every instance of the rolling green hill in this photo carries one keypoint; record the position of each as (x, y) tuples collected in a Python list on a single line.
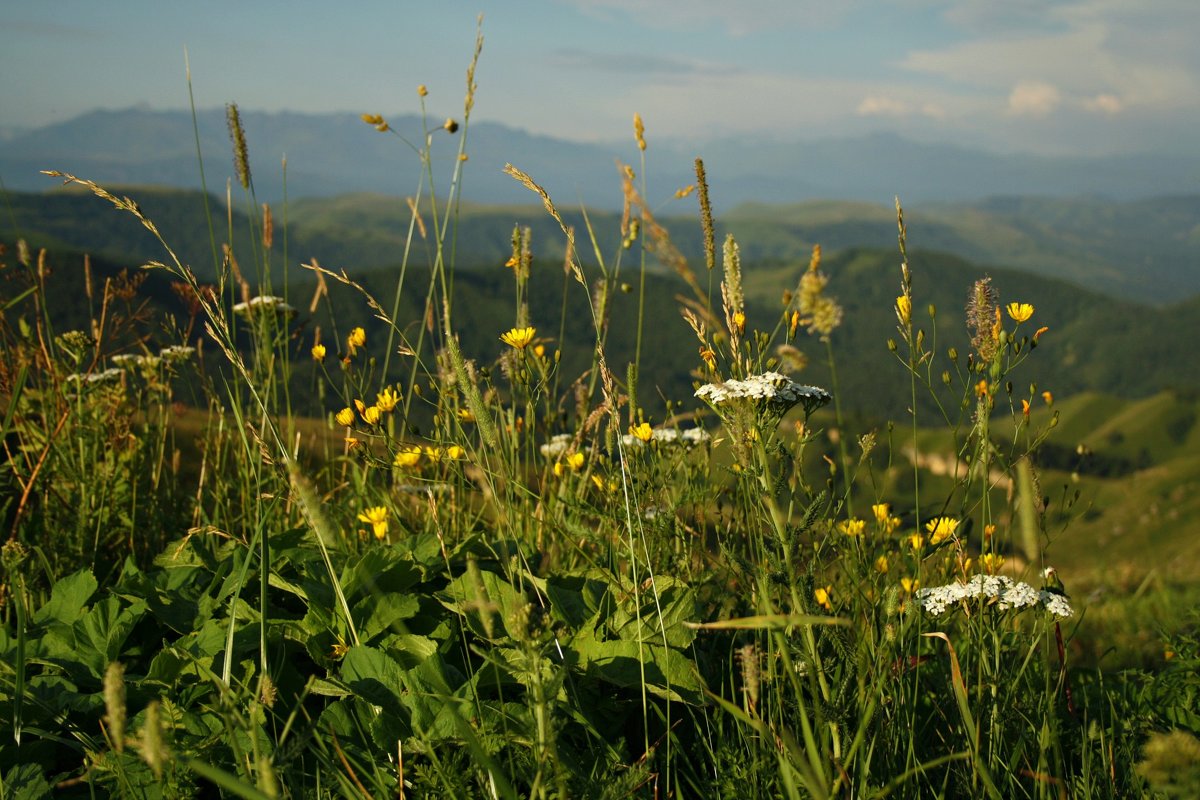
[(1145, 251)]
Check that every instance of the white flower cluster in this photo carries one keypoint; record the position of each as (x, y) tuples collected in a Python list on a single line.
[(777, 390), (176, 353), (135, 360), (557, 445), (999, 589), (689, 437), (266, 302), (110, 375)]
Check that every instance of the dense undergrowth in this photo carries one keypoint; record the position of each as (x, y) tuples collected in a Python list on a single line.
[(498, 579)]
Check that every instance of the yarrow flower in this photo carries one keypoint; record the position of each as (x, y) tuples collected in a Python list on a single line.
[(266, 302), (775, 391), (998, 590), (176, 353)]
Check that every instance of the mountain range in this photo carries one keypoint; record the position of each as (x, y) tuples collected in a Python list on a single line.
[(334, 153)]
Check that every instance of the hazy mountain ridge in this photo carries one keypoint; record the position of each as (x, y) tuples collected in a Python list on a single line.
[(335, 153)]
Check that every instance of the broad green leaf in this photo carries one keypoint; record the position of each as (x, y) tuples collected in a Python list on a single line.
[(68, 599)]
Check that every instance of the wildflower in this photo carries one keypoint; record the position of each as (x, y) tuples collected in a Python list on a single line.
[(823, 595), (904, 309), (998, 590), (739, 321), (852, 527), (1025, 408), (422, 91), (1020, 311), (991, 562), (371, 415), (465, 415), (909, 585), (881, 565), (387, 399), (1038, 333), (455, 452), (345, 417), (710, 358), (264, 302), (777, 392), (642, 432), (575, 461), (981, 388), (916, 541), (557, 445), (989, 530), (434, 454), (407, 457), (1048, 398), (339, 649), (176, 353), (377, 518), (518, 338), (940, 529), (318, 352), (880, 511), (356, 339)]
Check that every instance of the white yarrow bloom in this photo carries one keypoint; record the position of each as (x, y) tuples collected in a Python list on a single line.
[(266, 302), (177, 353), (557, 445), (778, 391), (999, 589)]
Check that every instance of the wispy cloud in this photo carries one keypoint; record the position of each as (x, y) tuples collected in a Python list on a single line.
[(636, 63), (1033, 98), (736, 19)]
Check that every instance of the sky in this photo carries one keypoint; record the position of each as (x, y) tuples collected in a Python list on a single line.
[(1088, 77)]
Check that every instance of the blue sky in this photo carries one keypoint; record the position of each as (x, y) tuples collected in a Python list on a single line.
[(1076, 76)]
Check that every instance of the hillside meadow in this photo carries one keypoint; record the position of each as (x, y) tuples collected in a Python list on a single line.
[(650, 522)]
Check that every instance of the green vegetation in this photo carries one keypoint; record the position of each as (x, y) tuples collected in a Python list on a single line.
[(283, 532)]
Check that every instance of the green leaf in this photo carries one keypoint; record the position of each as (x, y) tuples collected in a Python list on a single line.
[(665, 671), (25, 782), (68, 599)]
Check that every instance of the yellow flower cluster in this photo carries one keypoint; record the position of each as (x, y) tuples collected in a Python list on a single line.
[(377, 518)]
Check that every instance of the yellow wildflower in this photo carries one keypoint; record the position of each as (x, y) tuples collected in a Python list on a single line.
[(518, 338), (408, 457), (454, 452), (989, 530), (345, 417), (434, 454), (642, 431), (377, 518), (916, 541), (981, 388), (356, 339), (909, 585), (318, 352), (371, 415), (1025, 408), (739, 321), (559, 469), (852, 527), (710, 358), (387, 399), (575, 461), (881, 565), (1020, 311), (940, 529), (991, 562), (880, 511), (904, 309), (823, 594), (1048, 398), (539, 350), (339, 650), (465, 415), (422, 91)]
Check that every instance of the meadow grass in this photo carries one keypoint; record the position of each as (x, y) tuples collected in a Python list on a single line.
[(481, 577)]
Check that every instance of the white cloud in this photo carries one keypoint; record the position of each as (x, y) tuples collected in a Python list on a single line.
[(1033, 99), (1104, 104), (878, 106)]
